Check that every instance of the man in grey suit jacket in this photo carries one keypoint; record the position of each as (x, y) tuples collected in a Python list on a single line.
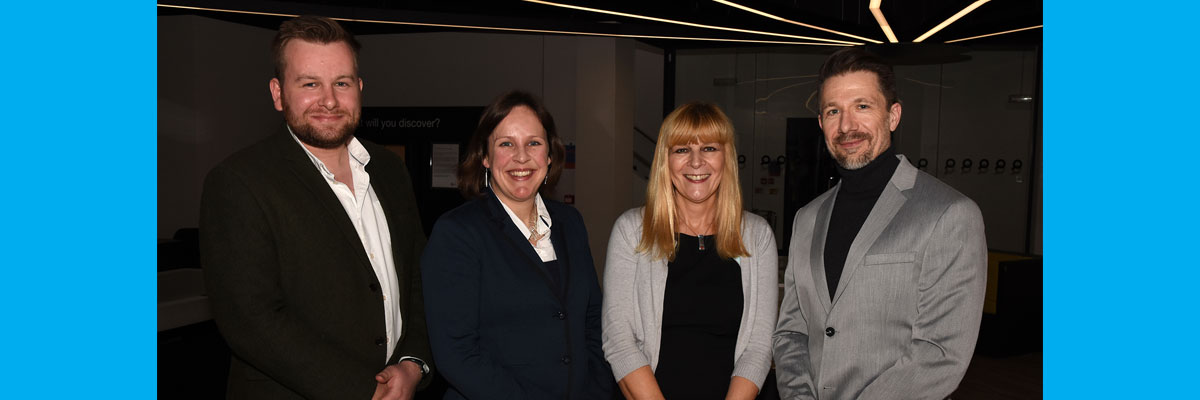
[(883, 292)]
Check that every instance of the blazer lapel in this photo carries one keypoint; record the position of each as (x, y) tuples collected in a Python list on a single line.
[(311, 178), (390, 202), (817, 253), (881, 215), (504, 227)]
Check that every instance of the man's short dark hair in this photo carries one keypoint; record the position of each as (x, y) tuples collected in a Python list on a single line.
[(854, 59), (310, 28)]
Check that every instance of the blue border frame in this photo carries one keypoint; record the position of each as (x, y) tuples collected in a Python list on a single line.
[(1120, 118), (78, 251)]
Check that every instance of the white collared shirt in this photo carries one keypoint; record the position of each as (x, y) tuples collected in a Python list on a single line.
[(544, 248), (366, 213)]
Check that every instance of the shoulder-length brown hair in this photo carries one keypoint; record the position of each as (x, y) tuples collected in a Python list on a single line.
[(470, 172), (692, 123)]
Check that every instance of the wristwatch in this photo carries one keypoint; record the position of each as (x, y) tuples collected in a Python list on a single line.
[(424, 368)]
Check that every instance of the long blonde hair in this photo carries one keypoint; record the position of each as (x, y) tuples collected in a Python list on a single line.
[(692, 123)]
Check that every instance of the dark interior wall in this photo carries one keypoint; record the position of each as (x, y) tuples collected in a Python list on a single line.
[(1035, 242), (648, 64), (449, 69), (950, 111), (213, 99), (979, 120)]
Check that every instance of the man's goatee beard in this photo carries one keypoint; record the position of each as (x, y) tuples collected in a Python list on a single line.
[(853, 162), (307, 135)]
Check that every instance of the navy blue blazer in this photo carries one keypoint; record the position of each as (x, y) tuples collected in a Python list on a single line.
[(498, 327)]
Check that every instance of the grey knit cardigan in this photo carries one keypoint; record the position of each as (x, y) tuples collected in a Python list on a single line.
[(634, 285)]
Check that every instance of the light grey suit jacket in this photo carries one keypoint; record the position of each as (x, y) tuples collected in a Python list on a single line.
[(634, 289), (908, 306)]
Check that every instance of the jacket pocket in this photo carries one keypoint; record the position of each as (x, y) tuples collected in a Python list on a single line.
[(890, 258)]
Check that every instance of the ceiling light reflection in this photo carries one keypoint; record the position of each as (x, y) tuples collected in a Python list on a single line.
[(883, 24), (691, 24), (950, 20), (778, 18), (994, 34), (497, 28)]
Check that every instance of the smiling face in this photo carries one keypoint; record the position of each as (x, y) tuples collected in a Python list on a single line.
[(518, 155), (856, 119), (696, 171), (320, 92)]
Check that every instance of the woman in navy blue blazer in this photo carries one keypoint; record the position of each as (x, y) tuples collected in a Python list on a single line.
[(511, 295)]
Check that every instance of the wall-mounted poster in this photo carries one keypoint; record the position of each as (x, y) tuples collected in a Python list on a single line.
[(431, 141), (443, 165)]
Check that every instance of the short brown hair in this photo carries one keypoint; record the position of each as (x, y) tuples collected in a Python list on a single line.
[(854, 59), (470, 172), (310, 28)]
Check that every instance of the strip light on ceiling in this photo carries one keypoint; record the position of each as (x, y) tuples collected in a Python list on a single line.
[(496, 28), (694, 25), (778, 18), (950, 20), (227, 11), (994, 34), (883, 24)]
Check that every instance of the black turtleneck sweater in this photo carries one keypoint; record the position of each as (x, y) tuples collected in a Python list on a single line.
[(859, 190)]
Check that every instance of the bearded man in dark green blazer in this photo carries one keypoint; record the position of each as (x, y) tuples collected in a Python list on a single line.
[(310, 241)]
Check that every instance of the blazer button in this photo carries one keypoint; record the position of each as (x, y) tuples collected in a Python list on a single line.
[(566, 359), (374, 287), (829, 331), (380, 341), (560, 315)]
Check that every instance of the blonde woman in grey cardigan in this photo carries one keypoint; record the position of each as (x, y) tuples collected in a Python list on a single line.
[(690, 283)]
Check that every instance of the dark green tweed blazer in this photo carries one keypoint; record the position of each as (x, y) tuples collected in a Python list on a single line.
[(289, 282)]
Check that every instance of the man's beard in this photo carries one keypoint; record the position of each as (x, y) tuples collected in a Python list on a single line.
[(858, 160), (328, 138)]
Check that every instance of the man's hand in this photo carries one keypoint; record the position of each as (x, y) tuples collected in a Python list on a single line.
[(398, 381)]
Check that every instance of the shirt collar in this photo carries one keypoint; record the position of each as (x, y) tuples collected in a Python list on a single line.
[(358, 153), (544, 222)]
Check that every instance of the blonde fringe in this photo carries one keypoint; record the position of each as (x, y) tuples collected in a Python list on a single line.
[(692, 122)]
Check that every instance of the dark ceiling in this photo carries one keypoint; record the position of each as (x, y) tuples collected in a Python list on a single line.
[(908, 18)]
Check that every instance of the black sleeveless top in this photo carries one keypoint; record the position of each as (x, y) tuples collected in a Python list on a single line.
[(702, 310)]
